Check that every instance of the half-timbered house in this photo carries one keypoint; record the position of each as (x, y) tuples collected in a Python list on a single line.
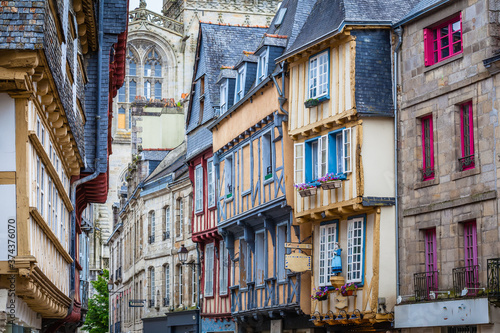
[(252, 159), (341, 122), (217, 46)]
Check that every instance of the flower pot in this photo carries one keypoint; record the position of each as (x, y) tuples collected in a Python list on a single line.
[(308, 192), (331, 185), (311, 103), (347, 292), (324, 298)]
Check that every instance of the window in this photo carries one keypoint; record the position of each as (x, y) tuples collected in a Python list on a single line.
[(262, 65), (279, 17), (223, 268), (327, 239), (180, 284), (470, 257), (152, 66), (152, 286), (131, 64), (180, 217), (443, 41), (267, 155), (260, 258), (42, 190), (467, 161), (121, 94), (198, 185), (240, 84), (211, 183), (431, 259), (202, 86), (158, 90), (228, 176), (280, 252), (355, 249), (130, 118), (193, 285), (243, 263), (318, 75), (427, 148), (167, 222), (166, 302), (147, 89), (209, 270), (152, 227), (132, 91), (316, 152), (121, 118), (49, 203), (299, 164), (223, 97)]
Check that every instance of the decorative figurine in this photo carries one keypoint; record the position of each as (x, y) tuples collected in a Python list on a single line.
[(336, 260)]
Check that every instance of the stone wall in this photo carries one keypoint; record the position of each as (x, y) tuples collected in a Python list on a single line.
[(453, 196)]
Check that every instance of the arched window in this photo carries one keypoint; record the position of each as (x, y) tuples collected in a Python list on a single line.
[(158, 90), (151, 226), (152, 65), (132, 91), (121, 118), (132, 67), (147, 89), (121, 94)]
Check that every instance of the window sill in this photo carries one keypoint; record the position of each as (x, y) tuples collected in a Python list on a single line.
[(226, 199), (444, 62), (199, 213), (247, 192), (426, 183), (224, 295), (208, 297), (214, 207), (320, 100), (466, 173), (268, 181)]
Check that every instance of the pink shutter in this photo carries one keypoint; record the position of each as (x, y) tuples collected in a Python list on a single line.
[(427, 47)]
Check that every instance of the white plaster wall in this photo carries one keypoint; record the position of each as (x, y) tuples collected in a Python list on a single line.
[(377, 154), (387, 260), (8, 130)]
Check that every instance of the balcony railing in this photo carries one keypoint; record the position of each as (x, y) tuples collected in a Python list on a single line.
[(166, 235), (427, 173), (166, 301), (151, 239), (466, 277), (466, 162), (493, 280), (424, 283)]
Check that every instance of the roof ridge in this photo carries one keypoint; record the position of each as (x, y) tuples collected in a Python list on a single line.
[(235, 25)]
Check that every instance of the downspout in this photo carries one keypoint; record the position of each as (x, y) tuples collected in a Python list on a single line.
[(281, 92), (199, 286), (399, 33)]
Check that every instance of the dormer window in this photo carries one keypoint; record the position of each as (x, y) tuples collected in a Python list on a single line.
[(262, 67), (240, 84), (223, 97), (318, 75)]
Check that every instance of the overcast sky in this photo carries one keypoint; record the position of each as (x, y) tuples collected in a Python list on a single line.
[(154, 5)]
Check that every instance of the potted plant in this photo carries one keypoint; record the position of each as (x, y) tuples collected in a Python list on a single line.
[(306, 189), (330, 181), (311, 102), (347, 289), (320, 294)]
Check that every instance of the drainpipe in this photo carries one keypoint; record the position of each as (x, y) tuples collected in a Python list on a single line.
[(199, 286), (399, 33), (281, 92)]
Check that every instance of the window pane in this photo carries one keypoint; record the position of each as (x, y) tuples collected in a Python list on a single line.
[(314, 165), (444, 41), (158, 70), (457, 47), (132, 91), (147, 70), (455, 26), (445, 52), (132, 68), (457, 35), (157, 90), (443, 31)]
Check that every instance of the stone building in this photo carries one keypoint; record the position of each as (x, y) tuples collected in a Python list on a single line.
[(61, 63), (447, 72), (145, 265)]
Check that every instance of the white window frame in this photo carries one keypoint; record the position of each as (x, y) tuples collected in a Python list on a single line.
[(260, 258), (147, 89), (152, 224), (198, 187), (179, 281), (228, 175), (167, 221), (152, 284), (223, 268), (167, 282), (211, 182), (280, 251), (316, 77), (193, 284), (355, 249), (239, 92), (223, 97), (209, 270), (299, 163), (267, 152), (347, 150), (328, 236), (262, 66)]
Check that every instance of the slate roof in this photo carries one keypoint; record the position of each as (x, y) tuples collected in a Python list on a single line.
[(329, 16), (221, 45), (173, 162), (421, 7), (154, 155)]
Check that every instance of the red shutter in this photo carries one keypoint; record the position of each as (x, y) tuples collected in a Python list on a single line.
[(427, 48)]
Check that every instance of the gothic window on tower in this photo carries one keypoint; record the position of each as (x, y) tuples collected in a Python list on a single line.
[(152, 65)]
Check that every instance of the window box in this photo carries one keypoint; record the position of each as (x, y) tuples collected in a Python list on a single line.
[(466, 162), (229, 196), (331, 185), (268, 176), (427, 173), (308, 192), (312, 102)]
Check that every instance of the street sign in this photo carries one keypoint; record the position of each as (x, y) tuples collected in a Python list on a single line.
[(299, 246), (136, 303), (298, 262)]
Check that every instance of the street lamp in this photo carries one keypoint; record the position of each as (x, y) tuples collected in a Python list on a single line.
[(110, 285), (183, 254)]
